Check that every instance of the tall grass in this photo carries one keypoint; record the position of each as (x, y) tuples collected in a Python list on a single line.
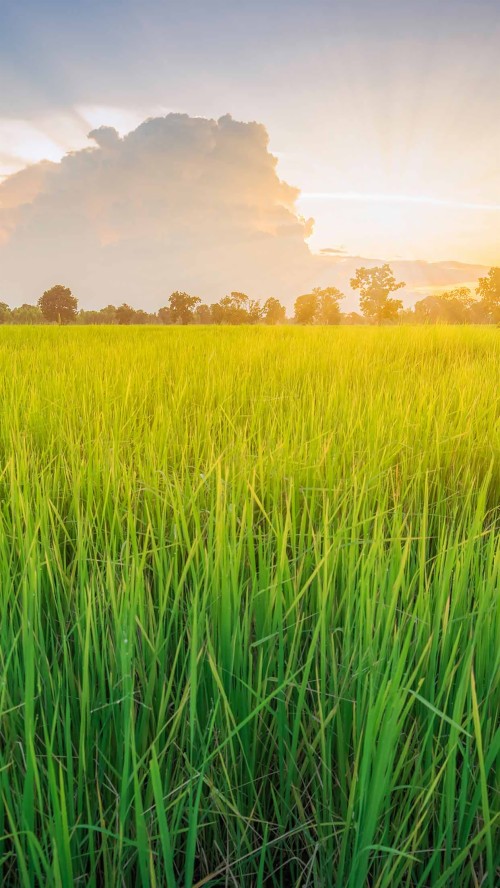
[(249, 607)]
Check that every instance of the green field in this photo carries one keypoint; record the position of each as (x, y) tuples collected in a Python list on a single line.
[(249, 607)]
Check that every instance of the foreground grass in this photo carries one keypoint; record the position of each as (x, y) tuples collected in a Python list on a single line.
[(249, 607)]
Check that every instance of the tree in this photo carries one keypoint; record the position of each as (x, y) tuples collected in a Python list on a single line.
[(352, 318), (237, 308), (460, 295), (319, 307), (99, 316), (164, 315), (488, 290), (144, 317), (254, 311), (458, 303), (478, 313), (305, 308), (88, 317), (328, 311), (375, 286), (58, 305), (27, 314), (450, 307), (181, 306), (202, 314), (406, 316), (108, 314), (125, 314), (273, 312), (427, 310), (5, 313)]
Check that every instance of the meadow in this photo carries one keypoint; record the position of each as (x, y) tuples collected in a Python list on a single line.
[(249, 607)]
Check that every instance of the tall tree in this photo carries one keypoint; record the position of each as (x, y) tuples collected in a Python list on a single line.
[(58, 305), (319, 307), (328, 311), (273, 312), (375, 286), (305, 308), (181, 307)]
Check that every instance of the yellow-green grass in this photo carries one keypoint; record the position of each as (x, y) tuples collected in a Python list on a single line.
[(249, 607)]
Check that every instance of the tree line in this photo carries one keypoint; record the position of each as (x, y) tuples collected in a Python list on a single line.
[(377, 305)]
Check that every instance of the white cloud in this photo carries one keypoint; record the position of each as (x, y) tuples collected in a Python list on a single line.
[(179, 203)]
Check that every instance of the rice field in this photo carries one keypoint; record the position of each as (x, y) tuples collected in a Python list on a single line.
[(249, 607)]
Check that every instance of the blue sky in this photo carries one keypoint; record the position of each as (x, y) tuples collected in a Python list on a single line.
[(360, 98), (57, 53)]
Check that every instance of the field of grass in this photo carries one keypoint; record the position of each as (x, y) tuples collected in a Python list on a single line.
[(249, 607)]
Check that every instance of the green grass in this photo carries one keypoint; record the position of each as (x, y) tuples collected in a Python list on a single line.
[(249, 607)]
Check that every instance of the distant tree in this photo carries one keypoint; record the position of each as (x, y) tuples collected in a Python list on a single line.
[(458, 302), (450, 307), (203, 314), (460, 295), (164, 315), (89, 316), (237, 308), (306, 308), (125, 314), (27, 314), (479, 314), (406, 316), (241, 309), (375, 286), (58, 305), (100, 316), (319, 307), (108, 315), (328, 311), (143, 317), (218, 313), (488, 290), (254, 311), (5, 313), (273, 312), (427, 310), (181, 306), (352, 318)]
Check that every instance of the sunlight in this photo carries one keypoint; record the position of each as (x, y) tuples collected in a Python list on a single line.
[(397, 198), (21, 143), (403, 225)]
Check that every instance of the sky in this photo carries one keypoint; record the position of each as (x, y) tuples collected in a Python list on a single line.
[(384, 114)]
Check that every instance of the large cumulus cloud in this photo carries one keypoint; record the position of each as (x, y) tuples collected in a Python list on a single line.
[(180, 202)]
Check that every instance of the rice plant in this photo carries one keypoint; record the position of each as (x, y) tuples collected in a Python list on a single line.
[(249, 607)]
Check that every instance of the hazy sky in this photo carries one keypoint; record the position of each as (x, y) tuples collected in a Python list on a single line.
[(384, 113)]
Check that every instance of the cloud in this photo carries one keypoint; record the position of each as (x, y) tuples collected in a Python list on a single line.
[(17, 191), (179, 202)]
